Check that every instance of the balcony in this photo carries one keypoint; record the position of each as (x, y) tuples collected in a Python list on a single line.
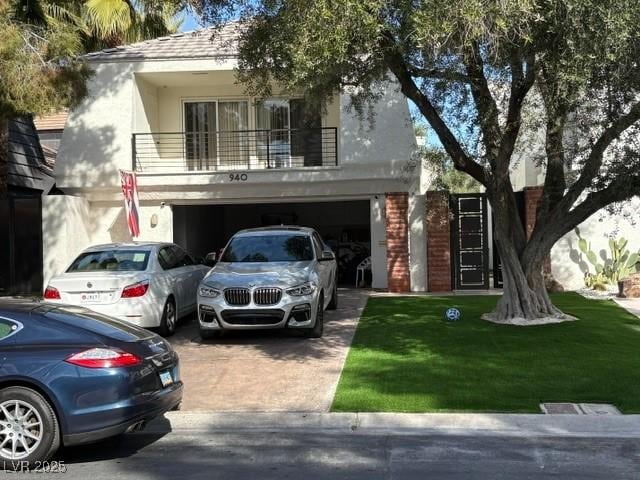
[(234, 150)]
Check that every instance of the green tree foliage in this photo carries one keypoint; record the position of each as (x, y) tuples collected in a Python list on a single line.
[(473, 68), (39, 66), (107, 23), (40, 71), (41, 43)]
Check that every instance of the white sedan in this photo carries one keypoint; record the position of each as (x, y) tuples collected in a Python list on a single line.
[(147, 284)]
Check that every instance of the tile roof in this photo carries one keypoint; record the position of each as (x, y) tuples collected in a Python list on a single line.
[(27, 166), (209, 42), (55, 121)]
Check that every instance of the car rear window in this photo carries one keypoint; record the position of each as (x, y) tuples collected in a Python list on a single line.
[(5, 328), (268, 248), (111, 260), (8, 327)]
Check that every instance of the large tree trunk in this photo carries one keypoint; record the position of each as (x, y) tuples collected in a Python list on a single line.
[(525, 295), (524, 292)]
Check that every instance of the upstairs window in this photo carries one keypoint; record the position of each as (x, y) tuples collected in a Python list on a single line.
[(290, 133), (215, 134)]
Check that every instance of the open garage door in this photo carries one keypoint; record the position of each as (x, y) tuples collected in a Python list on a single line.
[(344, 226)]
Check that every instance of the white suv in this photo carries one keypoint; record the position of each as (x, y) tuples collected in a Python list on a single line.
[(272, 277)]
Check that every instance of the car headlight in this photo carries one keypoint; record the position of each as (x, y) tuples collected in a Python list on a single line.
[(208, 291), (304, 289)]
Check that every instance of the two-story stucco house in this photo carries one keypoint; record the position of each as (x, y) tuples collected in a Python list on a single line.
[(210, 160)]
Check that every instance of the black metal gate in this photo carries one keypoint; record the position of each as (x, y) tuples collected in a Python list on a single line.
[(20, 244), (469, 238)]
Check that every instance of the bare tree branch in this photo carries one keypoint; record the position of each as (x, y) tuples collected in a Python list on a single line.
[(485, 104), (556, 108), (594, 161), (399, 68), (522, 80)]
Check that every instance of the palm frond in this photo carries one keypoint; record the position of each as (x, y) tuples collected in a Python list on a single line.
[(70, 13), (109, 18)]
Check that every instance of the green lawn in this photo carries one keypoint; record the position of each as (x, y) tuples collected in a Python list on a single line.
[(406, 358)]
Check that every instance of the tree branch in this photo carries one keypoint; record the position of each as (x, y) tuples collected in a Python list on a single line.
[(620, 190), (485, 104), (557, 110), (409, 88), (521, 83), (559, 223), (594, 161)]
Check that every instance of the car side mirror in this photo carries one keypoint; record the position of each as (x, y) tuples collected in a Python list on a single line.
[(327, 255), (210, 259)]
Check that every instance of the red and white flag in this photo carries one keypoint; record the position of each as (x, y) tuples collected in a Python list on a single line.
[(131, 202)]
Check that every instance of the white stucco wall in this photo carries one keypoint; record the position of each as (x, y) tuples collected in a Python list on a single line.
[(109, 223), (378, 243), (70, 224), (97, 136), (569, 265), (65, 232), (417, 243)]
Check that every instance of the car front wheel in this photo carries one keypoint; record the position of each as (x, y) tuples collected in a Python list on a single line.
[(333, 304), (316, 331), (29, 430)]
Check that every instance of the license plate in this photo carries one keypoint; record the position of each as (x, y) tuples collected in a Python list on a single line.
[(165, 378), (89, 297)]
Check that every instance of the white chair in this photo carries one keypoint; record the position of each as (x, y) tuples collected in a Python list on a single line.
[(363, 266)]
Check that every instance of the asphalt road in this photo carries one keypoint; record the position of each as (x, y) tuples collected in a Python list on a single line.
[(337, 455)]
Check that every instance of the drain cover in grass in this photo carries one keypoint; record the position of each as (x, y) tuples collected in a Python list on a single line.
[(599, 409), (560, 408), (579, 409)]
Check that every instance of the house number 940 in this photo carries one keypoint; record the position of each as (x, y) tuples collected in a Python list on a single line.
[(238, 177)]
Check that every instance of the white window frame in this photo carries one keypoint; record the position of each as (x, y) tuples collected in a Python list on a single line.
[(217, 100)]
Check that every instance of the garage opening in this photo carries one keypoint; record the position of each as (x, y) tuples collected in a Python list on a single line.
[(344, 226)]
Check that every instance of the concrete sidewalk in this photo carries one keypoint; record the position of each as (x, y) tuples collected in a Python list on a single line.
[(467, 424), (631, 305)]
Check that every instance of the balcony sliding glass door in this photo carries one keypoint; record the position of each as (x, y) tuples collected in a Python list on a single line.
[(273, 142), (200, 135), (306, 133), (233, 119), (289, 134), (214, 134)]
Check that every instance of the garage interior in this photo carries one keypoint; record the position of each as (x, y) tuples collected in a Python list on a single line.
[(344, 225)]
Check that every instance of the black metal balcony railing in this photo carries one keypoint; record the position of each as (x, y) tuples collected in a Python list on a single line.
[(235, 150)]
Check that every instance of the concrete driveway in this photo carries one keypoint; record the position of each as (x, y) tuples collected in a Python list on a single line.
[(267, 370)]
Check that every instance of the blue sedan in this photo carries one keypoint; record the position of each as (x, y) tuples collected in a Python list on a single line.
[(70, 376)]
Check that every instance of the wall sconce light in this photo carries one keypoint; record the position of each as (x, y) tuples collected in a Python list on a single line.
[(154, 220)]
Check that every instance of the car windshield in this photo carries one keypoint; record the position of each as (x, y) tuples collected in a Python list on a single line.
[(268, 248), (111, 260)]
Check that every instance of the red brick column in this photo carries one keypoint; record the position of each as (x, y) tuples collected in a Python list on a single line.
[(397, 231), (532, 197), (438, 242)]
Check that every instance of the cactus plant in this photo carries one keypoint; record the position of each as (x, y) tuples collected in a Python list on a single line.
[(596, 281), (620, 264)]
